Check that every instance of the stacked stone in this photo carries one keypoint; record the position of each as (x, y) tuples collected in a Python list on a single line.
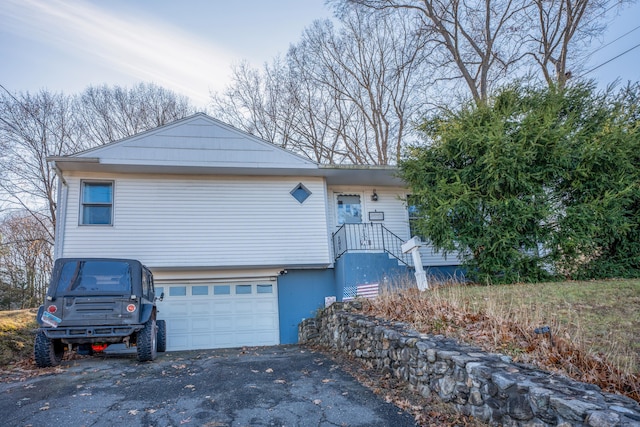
[(487, 386)]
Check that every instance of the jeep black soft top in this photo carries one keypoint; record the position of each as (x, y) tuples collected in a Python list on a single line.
[(93, 302)]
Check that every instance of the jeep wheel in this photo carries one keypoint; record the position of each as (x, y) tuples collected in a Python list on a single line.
[(147, 341), (162, 335), (47, 352)]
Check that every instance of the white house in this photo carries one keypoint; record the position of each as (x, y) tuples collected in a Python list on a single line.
[(244, 238)]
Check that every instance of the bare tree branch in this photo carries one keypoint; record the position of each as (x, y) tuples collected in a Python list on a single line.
[(344, 94)]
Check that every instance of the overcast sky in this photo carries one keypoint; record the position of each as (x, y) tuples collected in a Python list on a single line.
[(188, 46)]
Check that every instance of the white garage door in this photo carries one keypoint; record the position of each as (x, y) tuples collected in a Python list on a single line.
[(201, 316)]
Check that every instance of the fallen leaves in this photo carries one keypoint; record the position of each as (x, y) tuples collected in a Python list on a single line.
[(496, 332), (426, 412)]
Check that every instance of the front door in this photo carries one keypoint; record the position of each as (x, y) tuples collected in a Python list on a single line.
[(349, 209)]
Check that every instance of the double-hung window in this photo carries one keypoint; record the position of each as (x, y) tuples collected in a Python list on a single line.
[(97, 203)]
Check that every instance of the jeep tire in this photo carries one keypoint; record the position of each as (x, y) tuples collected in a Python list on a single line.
[(147, 341), (162, 335), (47, 352)]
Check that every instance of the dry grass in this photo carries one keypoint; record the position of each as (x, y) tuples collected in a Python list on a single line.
[(16, 337), (594, 325)]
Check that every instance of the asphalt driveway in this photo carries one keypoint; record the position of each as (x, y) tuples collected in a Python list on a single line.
[(267, 386)]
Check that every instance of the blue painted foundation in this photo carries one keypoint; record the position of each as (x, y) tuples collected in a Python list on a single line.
[(353, 269), (302, 292)]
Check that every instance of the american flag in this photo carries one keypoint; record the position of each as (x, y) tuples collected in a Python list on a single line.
[(369, 290)]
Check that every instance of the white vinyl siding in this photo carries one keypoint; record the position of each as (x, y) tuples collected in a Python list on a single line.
[(182, 221)]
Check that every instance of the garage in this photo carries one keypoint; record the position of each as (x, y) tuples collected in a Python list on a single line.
[(219, 315)]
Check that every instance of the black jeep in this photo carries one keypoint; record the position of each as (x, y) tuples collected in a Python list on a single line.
[(94, 302)]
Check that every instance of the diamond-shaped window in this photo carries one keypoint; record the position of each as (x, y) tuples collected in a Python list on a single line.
[(300, 193)]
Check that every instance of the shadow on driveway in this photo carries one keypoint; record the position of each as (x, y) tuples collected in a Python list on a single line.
[(263, 386)]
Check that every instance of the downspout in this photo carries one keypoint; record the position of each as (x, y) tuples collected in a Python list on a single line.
[(61, 214)]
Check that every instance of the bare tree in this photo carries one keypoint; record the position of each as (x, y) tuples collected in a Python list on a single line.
[(477, 42), (343, 95), (32, 128), (315, 120), (25, 261), (253, 100), (279, 104), (36, 126), (562, 29), (487, 42), (374, 65), (110, 113)]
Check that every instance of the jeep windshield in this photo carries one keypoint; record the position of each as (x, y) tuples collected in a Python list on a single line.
[(111, 277)]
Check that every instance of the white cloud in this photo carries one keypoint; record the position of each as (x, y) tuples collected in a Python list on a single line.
[(148, 51)]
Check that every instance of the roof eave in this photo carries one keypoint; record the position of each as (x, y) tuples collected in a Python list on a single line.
[(333, 174)]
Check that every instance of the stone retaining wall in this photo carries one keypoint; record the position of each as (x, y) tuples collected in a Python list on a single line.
[(487, 386)]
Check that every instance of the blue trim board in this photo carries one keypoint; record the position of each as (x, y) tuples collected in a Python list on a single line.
[(302, 292)]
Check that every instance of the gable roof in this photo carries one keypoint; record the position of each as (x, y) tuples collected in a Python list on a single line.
[(197, 141), (200, 144)]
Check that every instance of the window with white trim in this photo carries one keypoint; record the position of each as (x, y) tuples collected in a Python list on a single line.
[(96, 203)]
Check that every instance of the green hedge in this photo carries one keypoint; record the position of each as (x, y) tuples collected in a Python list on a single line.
[(535, 184)]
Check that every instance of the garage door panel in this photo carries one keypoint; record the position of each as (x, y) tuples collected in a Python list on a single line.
[(201, 340), (245, 324), (223, 340), (177, 308), (200, 324), (265, 338), (222, 307), (216, 316), (267, 323), (222, 324), (244, 307), (179, 325), (247, 338), (178, 342), (198, 308), (265, 307)]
